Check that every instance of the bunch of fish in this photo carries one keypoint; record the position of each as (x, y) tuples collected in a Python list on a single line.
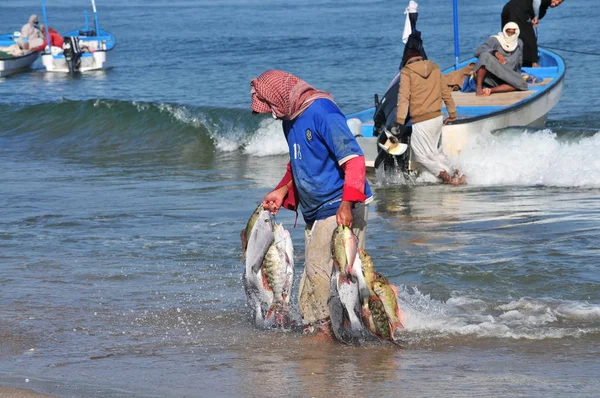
[(269, 272), (380, 311), (360, 298)]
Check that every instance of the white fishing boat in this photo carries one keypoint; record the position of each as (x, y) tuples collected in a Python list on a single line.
[(476, 114), (84, 49), (10, 62)]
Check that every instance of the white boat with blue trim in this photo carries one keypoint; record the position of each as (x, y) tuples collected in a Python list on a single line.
[(84, 49), (475, 114)]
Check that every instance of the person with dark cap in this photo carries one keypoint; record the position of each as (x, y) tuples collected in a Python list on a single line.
[(325, 178), (32, 33), (421, 91), (526, 14)]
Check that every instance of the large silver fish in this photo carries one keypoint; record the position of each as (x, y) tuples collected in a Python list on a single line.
[(269, 271), (348, 288)]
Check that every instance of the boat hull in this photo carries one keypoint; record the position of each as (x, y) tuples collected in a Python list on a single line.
[(531, 114), (17, 64), (89, 62)]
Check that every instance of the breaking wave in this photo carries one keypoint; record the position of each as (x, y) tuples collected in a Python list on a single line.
[(119, 127)]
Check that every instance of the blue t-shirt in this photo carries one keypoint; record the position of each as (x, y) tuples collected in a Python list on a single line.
[(318, 140)]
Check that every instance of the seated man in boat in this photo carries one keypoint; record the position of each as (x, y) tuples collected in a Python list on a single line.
[(32, 33), (422, 91), (56, 40), (498, 69)]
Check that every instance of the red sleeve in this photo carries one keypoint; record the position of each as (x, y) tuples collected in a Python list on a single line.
[(287, 177), (354, 181), (290, 202)]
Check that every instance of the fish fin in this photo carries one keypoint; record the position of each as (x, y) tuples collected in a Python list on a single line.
[(397, 344), (273, 309), (399, 313), (363, 289), (343, 279), (244, 240)]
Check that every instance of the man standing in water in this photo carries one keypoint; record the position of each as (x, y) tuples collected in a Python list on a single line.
[(421, 91), (326, 178)]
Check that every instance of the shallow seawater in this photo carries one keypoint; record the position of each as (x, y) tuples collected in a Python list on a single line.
[(123, 194)]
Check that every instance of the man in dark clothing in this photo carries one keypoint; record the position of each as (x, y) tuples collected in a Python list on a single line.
[(523, 13)]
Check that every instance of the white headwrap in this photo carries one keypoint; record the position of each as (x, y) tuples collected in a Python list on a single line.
[(508, 43)]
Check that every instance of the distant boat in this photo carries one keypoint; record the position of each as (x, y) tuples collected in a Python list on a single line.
[(9, 63), (475, 114), (84, 50)]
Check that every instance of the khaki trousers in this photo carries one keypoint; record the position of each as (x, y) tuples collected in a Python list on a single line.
[(316, 278)]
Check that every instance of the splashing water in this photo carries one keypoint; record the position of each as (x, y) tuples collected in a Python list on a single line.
[(521, 157), (525, 318)]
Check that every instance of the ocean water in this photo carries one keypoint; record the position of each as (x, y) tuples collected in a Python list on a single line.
[(123, 194)]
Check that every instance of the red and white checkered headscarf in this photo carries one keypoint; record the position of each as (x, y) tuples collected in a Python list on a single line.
[(283, 94)]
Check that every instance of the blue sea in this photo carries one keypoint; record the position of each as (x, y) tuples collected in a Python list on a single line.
[(123, 193)]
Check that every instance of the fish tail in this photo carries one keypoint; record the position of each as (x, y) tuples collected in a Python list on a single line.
[(399, 324), (397, 344)]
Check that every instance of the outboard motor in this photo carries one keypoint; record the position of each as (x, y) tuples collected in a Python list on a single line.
[(384, 119), (72, 53)]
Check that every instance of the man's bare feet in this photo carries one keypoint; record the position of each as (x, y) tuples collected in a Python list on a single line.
[(462, 180), (445, 177), (484, 92), (454, 180)]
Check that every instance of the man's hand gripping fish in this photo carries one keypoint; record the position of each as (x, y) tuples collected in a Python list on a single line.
[(269, 271), (348, 286)]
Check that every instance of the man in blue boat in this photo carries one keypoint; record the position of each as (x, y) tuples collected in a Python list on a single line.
[(32, 33), (498, 68), (422, 91), (326, 177)]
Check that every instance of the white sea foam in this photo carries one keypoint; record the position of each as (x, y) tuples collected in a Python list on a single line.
[(522, 157), (268, 140), (525, 318)]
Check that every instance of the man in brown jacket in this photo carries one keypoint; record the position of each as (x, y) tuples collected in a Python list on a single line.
[(422, 91)]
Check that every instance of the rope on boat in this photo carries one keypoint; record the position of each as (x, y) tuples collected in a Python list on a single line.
[(570, 51)]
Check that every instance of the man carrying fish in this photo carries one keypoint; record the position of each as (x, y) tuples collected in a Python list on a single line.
[(325, 178)]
